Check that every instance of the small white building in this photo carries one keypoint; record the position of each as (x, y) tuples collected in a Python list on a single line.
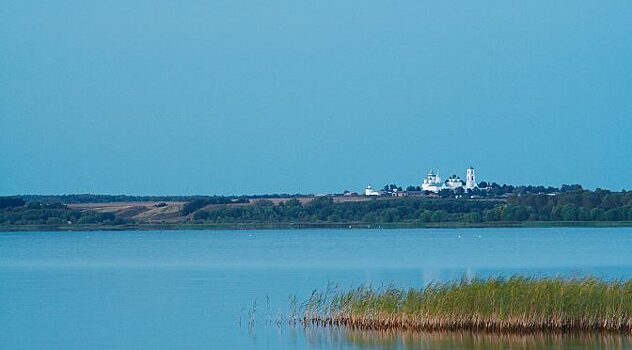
[(371, 192)]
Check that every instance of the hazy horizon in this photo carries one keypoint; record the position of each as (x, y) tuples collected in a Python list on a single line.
[(237, 97), (333, 191)]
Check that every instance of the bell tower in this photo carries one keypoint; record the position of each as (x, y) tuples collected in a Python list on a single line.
[(470, 181)]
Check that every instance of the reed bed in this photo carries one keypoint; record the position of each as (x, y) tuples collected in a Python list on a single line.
[(339, 337), (515, 304)]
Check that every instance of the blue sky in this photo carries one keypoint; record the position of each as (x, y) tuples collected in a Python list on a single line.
[(233, 97)]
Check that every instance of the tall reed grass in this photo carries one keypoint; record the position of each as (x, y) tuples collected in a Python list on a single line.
[(496, 304)]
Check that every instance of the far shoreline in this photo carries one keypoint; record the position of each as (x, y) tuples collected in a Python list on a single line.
[(312, 225)]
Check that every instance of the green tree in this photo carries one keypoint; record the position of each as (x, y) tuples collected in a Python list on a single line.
[(425, 216), (569, 212), (439, 216), (472, 217)]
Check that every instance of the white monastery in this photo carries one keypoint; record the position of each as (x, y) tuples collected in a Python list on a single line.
[(432, 182)]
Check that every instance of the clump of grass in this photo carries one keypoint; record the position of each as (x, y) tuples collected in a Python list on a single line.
[(495, 304)]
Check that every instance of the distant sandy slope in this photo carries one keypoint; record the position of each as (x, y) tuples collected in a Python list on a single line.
[(156, 212)]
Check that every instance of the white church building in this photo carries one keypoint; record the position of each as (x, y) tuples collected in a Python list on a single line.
[(432, 182), (370, 192)]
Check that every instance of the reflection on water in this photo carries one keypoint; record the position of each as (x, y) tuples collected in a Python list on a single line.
[(327, 338), (191, 289)]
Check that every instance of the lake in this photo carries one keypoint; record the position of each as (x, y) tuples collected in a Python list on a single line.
[(227, 289)]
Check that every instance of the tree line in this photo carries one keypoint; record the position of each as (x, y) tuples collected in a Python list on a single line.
[(324, 209), (15, 211), (579, 205), (571, 205), (599, 205)]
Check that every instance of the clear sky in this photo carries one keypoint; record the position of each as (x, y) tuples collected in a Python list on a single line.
[(236, 97)]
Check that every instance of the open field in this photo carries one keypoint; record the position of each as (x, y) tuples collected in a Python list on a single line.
[(147, 212), (516, 304), (120, 205), (152, 212)]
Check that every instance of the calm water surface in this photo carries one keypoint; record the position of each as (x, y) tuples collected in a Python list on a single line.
[(198, 289)]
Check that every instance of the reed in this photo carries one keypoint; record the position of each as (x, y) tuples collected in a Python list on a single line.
[(341, 337), (519, 304)]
